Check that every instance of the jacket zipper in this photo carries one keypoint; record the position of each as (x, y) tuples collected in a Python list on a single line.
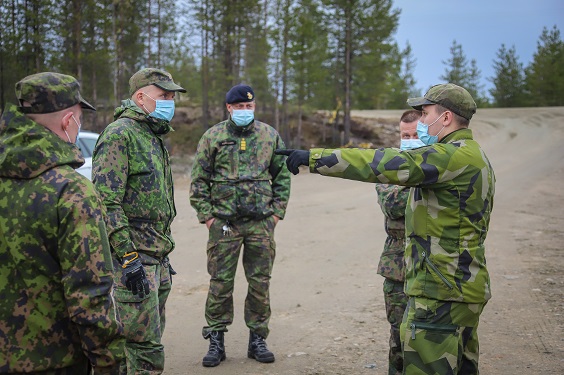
[(436, 270), (431, 327)]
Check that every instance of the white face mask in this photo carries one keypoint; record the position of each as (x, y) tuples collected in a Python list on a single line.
[(77, 133)]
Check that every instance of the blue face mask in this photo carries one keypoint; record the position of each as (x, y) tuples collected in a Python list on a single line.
[(423, 132), (164, 109), (243, 117), (410, 144)]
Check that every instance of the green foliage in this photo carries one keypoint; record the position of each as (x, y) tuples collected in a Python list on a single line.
[(462, 73), (545, 75), (509, 79), (401, 82), (298, 55)]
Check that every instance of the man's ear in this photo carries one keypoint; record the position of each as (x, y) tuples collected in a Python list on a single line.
[(448, 118), (65, 120), (139, 97)]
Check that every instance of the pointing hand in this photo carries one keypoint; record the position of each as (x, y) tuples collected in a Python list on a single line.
[(295, 158)]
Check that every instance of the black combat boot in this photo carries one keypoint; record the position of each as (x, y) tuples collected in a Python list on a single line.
[(216, 352), (258, 350)]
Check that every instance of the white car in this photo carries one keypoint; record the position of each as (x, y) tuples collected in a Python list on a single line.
[(86, 143)]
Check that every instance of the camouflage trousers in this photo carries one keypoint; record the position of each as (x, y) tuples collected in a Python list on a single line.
[(440, 337), (396, 302), (81, 368), (143, 318), (256, 237)]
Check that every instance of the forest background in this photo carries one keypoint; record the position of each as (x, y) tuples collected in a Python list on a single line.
[(310, 62)]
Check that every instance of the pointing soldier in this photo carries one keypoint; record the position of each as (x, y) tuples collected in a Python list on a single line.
[(58, 314), (131, 170), (447, 220), (240, 189)]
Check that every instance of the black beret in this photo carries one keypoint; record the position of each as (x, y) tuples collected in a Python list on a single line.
[(239, 94)]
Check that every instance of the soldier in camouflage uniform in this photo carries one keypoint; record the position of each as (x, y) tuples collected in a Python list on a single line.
[(131, 171), (392, 200), (57, 315), (240, 190), (447, 220)]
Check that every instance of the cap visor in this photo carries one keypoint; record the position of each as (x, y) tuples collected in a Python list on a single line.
[(170, 86), (84, 104), (417, 103)]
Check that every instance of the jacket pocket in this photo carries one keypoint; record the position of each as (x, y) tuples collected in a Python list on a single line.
[(224, 201), (435, 269), (255, 200)]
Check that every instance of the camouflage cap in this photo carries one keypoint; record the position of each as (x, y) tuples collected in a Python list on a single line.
[(239, 94), (49, 92), (152, 76), (450, 96)]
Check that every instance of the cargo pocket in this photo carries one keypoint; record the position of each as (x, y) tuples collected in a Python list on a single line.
[(437, 345), (212, 257), (123, 295)]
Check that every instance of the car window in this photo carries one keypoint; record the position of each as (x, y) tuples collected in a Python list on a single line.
[(86, 146)]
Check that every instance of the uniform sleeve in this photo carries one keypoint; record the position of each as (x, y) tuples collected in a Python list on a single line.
[(421, 166), (87, 275), (110, 162), (281, 180), (392, 200), (200, 187)]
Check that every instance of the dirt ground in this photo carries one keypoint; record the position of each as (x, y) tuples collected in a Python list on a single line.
[(327, 307)]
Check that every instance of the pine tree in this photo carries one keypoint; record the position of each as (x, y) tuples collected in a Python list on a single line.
[(401, 82), (545, 75), (508, 81), (456, 70)]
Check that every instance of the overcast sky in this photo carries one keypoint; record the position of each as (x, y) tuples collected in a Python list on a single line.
[(480, 26)]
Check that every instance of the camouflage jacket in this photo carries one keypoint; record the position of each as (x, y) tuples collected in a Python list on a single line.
[(236, 174), (56, 273), (447, 215), (392, 200), (131, 171)]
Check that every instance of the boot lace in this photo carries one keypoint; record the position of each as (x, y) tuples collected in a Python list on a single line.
[(214, 344), (260, 344)]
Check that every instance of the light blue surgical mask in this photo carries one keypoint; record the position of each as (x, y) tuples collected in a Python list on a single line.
[(423, 132), (77, 133), (410, 144), (243, 117), (164, 109)]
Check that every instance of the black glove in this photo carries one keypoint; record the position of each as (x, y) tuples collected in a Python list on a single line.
[(135, 277), (295, 158)]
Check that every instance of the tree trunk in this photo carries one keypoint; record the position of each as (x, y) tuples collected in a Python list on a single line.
[(205, 65), (149, 26), (285, 38), (348, 73), (77, 36), (159, 34)]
